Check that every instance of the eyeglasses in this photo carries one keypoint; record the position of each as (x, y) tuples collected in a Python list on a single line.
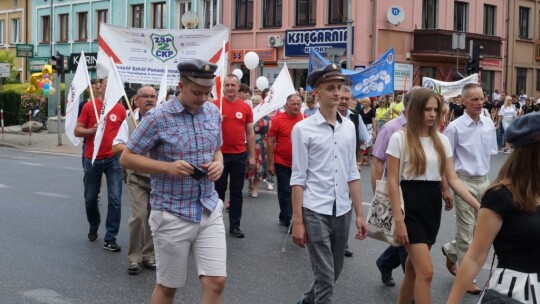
[(148, 96)]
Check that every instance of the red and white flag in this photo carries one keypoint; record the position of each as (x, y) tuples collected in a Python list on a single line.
[(221, 72), (113, 93), (80, 82)]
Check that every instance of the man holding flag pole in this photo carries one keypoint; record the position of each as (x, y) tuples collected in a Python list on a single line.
[(98, 158)]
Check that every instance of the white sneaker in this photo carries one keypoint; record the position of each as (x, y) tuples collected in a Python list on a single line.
[(270, 187)]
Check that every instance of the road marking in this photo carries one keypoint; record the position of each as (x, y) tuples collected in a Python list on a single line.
[(46, 296), (21, 157), (366, 203), (73, 168), (30, 164), (4, 186), (52, 194)]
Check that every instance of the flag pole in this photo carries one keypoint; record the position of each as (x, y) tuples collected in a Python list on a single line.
[(404, 86), (92, 90), (125, 96), (223, 75)]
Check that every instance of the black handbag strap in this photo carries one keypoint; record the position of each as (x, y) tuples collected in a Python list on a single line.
[(486, 286)]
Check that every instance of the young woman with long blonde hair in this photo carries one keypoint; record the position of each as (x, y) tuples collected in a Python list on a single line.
[(426, 159)]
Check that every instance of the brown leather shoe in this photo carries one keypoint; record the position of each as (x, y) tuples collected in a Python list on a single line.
[(474, 289), (451, 266)]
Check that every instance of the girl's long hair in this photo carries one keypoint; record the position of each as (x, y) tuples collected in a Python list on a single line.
[(415, 122), (519, 174)]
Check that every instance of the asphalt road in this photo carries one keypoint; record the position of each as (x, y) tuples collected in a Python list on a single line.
[(46, 257)]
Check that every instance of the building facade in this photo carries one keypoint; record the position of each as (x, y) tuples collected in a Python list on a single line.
[(74, 25), (14, 29), (285, 31), (523, 47), (421, 38)]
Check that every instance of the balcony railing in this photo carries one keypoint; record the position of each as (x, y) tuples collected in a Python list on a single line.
[(436, 41)]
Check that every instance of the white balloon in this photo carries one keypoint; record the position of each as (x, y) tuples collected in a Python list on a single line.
[(238, 73), (262, 83), (251, 60)]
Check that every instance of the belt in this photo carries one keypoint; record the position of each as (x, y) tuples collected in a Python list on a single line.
[(475, 178)]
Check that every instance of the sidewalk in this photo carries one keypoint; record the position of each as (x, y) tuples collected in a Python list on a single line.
[(39, 141)]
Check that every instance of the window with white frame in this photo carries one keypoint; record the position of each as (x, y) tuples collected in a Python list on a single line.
[(45, 29), (461, 16), (159, 15), (490, 15), (430, 8), (2, 29), (63, 27), (137, 15), (15, 31), (183, 7), (82, 25), (210, 17)]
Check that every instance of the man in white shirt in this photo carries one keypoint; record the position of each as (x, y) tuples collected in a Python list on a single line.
[(141, 245), (473, 140), (324, 180)]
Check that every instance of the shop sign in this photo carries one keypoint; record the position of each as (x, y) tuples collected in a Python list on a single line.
[(490, 63), (301, 42), (266, 55)]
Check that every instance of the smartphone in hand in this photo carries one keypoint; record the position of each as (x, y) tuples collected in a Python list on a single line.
[(198, 174)]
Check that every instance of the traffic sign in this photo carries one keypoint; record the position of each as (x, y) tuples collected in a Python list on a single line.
[(4, 69), (24, 50)]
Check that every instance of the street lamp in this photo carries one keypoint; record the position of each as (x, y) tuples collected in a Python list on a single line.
[(190, 20)]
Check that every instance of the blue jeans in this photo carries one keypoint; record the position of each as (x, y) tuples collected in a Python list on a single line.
[(327, 237), (283, 176), (391, 258), (235, 166), (500, 136), (92, 182)]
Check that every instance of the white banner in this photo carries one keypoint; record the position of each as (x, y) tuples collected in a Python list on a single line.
[(140, 54), (403, 73), (448, 89), (277, 96), (80, 82)]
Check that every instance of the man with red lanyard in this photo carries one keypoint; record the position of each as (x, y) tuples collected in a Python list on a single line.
[(105, 163), (280, 154), (237, 129)]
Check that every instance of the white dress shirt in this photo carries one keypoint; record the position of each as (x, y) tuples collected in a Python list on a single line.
[(473, 143), (323, 162), (123, 133)]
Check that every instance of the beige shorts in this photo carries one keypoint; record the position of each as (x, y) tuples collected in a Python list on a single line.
[(175, 238)]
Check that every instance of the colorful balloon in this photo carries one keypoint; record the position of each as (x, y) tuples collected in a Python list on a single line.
[(46, 93), (46, 86), (52, 91)]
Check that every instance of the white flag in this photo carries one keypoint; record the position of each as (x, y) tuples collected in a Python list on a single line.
[(113, 93), (80, 82), (277, 96), (162, 88)]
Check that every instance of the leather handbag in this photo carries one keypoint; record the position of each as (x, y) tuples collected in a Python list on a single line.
[(380, 218), (490, 296)]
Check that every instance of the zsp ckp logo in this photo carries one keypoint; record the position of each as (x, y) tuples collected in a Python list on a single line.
[(163, 47)]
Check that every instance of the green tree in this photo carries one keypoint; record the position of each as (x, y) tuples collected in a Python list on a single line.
[(7, 57)]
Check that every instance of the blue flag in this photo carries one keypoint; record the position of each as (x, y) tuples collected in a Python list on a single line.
[(375, 80), (317, 61)]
